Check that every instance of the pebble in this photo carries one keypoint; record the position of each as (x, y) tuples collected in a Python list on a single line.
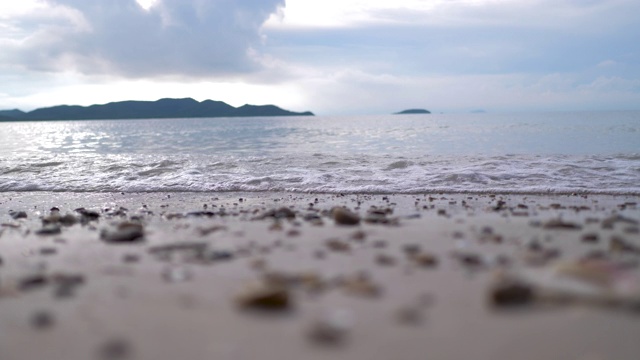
[(359, 235), (618, 244), (343, 216), (590, 238), (361, 285), (32, 282), (18, 215), (174, 274), (126, 232), (609, 222), (332, 328), (280, 213), (338, 245), (42, 320), (411, 249), (51, 229), (258, 264), (425, 260), (65, 284), (48, 251), (55, 218), (130, 258), (410, 315), (385, 260), (115, 349), (88, 215), (511, 293), (220, 255), (559, 224), (265, 296), (469, 260)]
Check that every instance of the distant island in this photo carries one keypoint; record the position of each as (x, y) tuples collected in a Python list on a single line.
[(413, 111), (163, 108)]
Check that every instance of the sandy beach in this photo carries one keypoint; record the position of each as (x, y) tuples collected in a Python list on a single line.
[(318, 276)]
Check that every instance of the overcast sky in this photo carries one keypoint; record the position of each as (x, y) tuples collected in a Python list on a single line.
[(333, 57)]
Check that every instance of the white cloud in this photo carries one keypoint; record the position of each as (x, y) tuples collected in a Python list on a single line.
[(521, 13), (203, 38)]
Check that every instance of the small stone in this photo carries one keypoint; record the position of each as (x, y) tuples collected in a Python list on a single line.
[(66, 284), (632, 230), (258, 264), (42, 320), (590, 238), (18, 215), (200, 214), (68, 220), (411, 249), (385, 260), (338, 245), (618, 244), (425, 260), (559, 224), (379, 244), (48, 251), (126, 232), (265, 296), (130, 258), (220, 255), (211, 229), (410, 315), (88, 215), (511, 293), (32, 282), (115, 349), (174, 274), (343, 216), (609, 222), (276, 226), (469, 260), (359, 235), (50, 229), (361, 285), (280, 213), (293, 233), (332, 328)]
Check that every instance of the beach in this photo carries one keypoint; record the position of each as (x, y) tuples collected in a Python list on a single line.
[(278, 275)]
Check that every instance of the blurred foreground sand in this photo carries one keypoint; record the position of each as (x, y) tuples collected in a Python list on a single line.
[(414, 279)]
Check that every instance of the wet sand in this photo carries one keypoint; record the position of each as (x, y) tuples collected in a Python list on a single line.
[(274, 276)]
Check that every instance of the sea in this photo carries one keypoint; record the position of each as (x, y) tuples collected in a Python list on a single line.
[(523, 153)]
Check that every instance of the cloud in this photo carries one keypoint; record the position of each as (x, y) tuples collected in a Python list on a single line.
[(354, 92), (191, 38)]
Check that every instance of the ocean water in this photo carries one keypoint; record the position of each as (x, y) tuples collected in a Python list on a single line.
[(582, 152)]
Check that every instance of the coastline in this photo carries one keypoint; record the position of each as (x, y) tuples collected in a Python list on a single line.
[(134, 303)]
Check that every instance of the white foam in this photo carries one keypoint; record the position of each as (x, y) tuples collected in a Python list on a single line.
[(356, 174)]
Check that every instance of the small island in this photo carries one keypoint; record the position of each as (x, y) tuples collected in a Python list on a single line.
[(160, 109), (413, 111)]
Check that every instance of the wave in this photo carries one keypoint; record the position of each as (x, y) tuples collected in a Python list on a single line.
[(325, 173)]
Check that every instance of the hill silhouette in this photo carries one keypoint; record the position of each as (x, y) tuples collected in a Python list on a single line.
[(413, 111), (163, 108)]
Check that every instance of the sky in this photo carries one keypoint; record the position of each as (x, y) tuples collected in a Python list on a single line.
[(332, 57)]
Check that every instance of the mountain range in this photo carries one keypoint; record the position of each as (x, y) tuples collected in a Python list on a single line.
[(163, 108)]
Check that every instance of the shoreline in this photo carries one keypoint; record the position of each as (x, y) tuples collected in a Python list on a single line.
[(415, 278)]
